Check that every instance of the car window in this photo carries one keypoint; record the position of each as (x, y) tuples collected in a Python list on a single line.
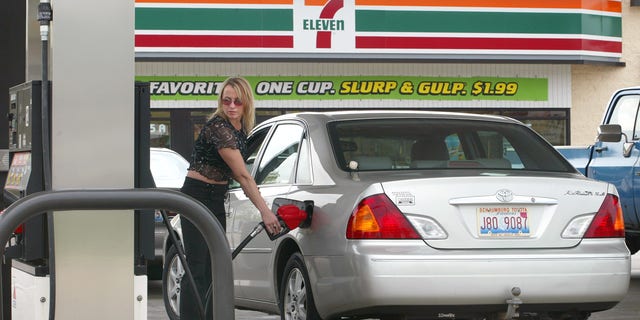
[(254, 142), (397, 144), (625, 113), (303, 173), (279, 158), (497, 151), (454, 147)]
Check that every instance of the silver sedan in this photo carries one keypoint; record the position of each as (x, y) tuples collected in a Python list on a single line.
[(422, 214)]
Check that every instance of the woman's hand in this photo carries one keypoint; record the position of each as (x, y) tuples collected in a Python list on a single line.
[(271, 222)]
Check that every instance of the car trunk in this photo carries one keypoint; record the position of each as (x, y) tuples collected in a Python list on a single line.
[(498, 212)]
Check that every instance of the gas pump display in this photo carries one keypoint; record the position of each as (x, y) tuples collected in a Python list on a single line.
[(19, 173)]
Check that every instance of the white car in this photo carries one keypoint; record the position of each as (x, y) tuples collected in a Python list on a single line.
[(422, 214), (168, 169)]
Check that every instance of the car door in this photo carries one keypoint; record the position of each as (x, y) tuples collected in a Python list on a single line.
[(608, 162), (274, 173)]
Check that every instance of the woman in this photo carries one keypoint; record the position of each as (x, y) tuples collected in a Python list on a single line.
[(218, 154)]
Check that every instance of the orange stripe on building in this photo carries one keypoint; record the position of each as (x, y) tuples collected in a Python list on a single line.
[(315, 2), (265, 2), (600, 5)]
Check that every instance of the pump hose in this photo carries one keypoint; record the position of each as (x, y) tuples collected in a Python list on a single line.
[(45, 15)]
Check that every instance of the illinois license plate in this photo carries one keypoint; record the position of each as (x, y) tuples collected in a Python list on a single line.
[(503, 222)]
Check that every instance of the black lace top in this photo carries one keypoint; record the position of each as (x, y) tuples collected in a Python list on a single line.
[(216, 134)]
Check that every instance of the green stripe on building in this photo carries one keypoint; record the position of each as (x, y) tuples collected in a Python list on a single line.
[(487, 22), (214, 19)]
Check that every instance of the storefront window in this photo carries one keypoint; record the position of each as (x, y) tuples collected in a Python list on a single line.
[(550, 124), (262, 115), (160, 129), (552, 130), (198, 119)]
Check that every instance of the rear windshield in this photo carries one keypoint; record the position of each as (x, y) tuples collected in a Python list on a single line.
[(400, 144)]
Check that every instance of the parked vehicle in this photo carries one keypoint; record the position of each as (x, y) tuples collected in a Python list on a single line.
[(614, 157), (168, 169), (437, 215)]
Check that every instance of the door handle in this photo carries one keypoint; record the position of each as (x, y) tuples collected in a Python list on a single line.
[(600, 149)]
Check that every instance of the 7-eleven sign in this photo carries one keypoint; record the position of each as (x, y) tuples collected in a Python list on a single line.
[(324, 24)]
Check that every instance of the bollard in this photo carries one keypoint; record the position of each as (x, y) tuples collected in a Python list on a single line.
[(125, 199)]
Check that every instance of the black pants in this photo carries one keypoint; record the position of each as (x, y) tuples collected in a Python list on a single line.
[(195, 247)]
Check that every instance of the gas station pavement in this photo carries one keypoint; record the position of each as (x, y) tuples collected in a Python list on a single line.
[(156, 311)]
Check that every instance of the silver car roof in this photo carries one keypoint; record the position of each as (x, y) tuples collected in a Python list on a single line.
[(329, 116)]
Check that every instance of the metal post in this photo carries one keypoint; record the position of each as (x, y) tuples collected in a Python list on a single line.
[(45, 15), (126, 199)]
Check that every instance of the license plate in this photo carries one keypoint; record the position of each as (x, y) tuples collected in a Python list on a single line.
[(503, 222)]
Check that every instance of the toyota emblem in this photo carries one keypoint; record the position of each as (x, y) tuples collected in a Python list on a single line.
[(504, 195)]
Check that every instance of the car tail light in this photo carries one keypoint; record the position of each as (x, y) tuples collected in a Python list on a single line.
[(608, 222), (376, 217)]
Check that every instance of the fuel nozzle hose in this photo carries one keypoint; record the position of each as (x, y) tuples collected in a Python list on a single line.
[(290, 217)]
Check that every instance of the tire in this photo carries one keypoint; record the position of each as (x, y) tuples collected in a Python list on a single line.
[(295, 292), (633, 243), (172, 274)]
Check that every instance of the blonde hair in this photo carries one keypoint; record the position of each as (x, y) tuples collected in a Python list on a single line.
[(245, 94)]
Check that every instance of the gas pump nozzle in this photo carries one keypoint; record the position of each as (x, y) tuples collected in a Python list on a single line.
[(290, 216)]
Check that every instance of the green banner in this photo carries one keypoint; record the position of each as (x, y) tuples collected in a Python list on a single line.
[(357, 87)]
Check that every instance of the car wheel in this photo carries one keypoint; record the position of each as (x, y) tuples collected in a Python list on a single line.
[(295, 292), (172, 274), (633, 243)]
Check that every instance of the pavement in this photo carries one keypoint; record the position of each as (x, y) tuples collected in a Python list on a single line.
[(156, 311)]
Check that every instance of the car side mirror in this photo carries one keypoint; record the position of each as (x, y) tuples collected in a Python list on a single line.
[(610, 133)]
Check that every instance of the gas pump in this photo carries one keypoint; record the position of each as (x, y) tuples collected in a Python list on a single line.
[(28, 255), (25, 171)]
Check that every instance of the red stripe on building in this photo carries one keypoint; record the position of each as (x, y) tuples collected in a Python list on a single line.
[(213, 41), (374, 42)]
